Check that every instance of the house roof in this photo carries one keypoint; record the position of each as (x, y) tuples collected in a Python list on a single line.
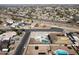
[(7, 35)]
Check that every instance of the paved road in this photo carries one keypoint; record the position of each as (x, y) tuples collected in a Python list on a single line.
[(53, 29), (19, 49)]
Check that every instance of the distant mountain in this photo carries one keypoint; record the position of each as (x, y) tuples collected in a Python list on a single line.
[(42, 5)]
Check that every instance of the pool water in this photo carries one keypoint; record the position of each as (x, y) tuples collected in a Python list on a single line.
[(61, 52)]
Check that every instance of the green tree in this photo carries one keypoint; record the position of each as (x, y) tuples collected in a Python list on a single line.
[(1, 22)]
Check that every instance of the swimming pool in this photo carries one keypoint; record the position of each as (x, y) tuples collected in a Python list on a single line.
[(61, 52)]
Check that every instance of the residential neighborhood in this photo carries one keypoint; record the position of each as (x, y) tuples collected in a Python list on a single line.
[(39, 29)]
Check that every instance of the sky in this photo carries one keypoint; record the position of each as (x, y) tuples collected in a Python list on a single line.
[(39, 1)]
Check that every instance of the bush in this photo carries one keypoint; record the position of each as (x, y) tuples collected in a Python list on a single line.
[(1, 22)]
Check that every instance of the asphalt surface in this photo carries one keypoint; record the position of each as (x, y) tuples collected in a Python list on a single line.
[(19, 50), (53, 29)]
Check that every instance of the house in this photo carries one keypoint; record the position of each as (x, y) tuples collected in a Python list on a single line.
[(52, 37), (14, 25), (59, 38), (9, 21), (5, 39), (76, 19)]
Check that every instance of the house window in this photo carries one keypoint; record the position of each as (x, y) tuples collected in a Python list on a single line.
[(36, 47), (42, 53)]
